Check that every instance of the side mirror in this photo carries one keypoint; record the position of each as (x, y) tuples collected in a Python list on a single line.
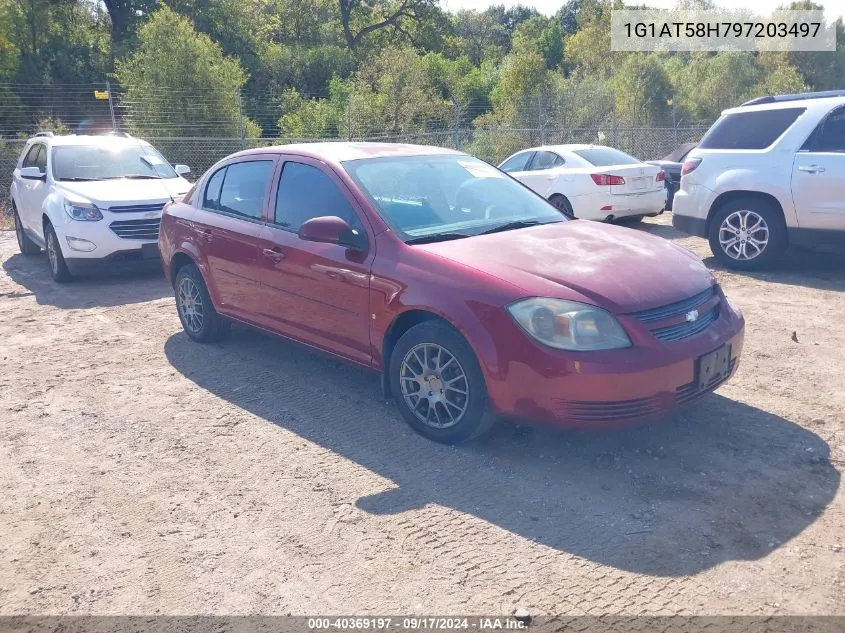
[(331, 229), (32, 173), (182, 169)]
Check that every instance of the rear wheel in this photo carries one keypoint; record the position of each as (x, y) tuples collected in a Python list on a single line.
[(58, 268), (563, 205), (747, 234), (25, 245), (438, 385), (196, 312)]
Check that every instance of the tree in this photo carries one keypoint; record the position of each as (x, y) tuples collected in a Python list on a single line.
[(361, 17), (642, 90), (179, 82), (479, 36)]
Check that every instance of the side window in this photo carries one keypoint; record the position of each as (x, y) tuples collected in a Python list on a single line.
[(306, 192), (244, 186), (829, 136), (211, 199), (545, 160), (41, 160), (31, 156), (517, 163)]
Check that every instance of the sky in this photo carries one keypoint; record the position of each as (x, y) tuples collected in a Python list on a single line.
[(834, 8)]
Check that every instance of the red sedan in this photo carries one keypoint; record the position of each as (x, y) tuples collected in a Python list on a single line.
[(470, 294)]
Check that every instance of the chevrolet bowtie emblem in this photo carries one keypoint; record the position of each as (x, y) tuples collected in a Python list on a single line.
[(692, 316)]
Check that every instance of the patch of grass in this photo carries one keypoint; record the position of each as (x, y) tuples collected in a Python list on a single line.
[(6, 222)]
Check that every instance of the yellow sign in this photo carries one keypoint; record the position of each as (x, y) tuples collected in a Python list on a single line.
[(101, 94)]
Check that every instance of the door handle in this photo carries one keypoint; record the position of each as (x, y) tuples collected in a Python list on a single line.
[(274, 253), (812, 169)]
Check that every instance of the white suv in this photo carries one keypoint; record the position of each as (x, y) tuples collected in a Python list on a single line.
[(767, 174), (91, 201)]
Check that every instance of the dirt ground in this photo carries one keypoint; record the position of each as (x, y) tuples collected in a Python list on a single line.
[(145, 474)]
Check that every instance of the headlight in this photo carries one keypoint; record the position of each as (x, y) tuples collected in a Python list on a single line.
[(569, 325), (83, 211)]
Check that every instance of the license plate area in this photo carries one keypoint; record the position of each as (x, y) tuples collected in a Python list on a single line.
[(713, 367), (150, 251), (639, 183)]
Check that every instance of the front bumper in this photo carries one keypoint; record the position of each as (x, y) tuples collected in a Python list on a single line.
[(118, 261), (612, 388)]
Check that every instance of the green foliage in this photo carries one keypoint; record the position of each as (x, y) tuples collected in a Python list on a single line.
[(182, 77), (642, 90)]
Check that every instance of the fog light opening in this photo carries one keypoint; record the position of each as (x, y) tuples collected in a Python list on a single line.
[(78, 244)]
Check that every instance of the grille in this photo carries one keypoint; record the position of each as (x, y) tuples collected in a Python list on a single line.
[(598, 412), (136, 229), (678, 308), (678, 327), (153, 207)]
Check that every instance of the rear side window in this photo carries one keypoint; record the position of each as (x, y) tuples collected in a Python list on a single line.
[(243, 188), (606, 156), (829, 136), (517, 163), (750, 130), (211, 199), (546, 160)]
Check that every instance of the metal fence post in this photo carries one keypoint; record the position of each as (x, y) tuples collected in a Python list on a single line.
[(241, 117), (111, 107), (541, 119)]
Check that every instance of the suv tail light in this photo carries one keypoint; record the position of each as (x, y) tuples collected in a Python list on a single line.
[(690, 165), (605, 179), (661, 176)]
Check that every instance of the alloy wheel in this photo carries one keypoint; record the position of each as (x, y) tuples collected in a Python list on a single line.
[(190, 304), (434, 385), (52, 252), (744, 235)]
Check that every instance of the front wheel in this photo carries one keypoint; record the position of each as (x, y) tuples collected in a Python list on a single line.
[(747, 234), (196, 312), (25, 245), (438, 385), (58, 267)]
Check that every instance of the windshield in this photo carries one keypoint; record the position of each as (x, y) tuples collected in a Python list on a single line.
[(433, 198), (109, 162), (606, 156)]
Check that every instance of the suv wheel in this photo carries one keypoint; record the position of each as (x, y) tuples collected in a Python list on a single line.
[(25, 245), (55, 258), (747, 234), (196, 312), (438, 385)]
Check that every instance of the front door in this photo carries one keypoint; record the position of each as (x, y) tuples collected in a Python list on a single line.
[(315, 292), (818, 176), (228, 227), (32, 192)]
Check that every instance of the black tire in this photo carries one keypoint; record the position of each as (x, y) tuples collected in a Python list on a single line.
[(55, 258), (772, 227), (475, 418), (629, 219), (25, 245), (562, 204), (191, 292)]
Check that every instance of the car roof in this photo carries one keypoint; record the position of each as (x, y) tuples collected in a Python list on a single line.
[(824, 104), (86, 139), (571, 147), (341, 151)]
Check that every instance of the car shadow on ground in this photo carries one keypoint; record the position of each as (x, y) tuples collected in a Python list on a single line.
[(102, 290), (719, 482), (821, 269)]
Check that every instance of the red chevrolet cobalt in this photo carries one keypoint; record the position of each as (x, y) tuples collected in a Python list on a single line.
[(472, 295)]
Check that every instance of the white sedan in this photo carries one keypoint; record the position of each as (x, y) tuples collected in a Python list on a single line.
[(593, 182)]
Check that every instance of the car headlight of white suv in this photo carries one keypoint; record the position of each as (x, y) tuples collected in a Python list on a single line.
[(82, 211)]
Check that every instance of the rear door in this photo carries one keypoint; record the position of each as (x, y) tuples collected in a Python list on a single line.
[(818, 175), (542, 171), (315, 292), (228, 226), (32, 192)]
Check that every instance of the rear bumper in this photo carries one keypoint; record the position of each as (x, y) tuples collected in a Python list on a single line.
[(690, 225), (594, 206)]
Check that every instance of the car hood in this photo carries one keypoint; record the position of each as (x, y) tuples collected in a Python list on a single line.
[(620, 269), (105, 193)]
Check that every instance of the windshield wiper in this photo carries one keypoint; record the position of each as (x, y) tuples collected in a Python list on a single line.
[(437, 237), (516, 224), (142, 177), (78, 179)]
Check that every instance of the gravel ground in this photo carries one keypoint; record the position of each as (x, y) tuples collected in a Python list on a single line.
[(145, 474)]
